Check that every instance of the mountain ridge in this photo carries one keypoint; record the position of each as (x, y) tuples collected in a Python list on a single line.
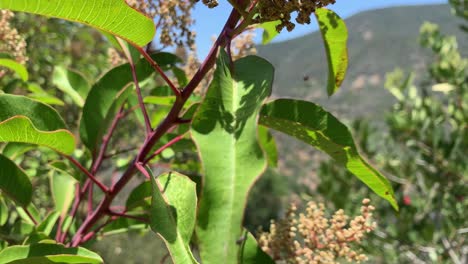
[(379, 41)]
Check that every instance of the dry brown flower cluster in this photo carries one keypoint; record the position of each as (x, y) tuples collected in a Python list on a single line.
[(173, 20), (11, 42), (271, 10), (312, 238)]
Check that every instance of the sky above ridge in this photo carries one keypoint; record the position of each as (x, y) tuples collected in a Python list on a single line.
[(209, 22)]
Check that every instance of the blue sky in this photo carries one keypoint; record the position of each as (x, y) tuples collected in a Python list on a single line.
[(209, 22)]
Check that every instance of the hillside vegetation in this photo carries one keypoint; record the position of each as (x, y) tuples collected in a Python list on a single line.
[(379, 41)]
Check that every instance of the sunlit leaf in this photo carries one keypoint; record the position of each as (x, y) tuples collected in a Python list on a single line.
[(269, 31), (225, 131), (71, 83), (113, 16), (335, 37), (16, 67), (21, 129), (308, 122)]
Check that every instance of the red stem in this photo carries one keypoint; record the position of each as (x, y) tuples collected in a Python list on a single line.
[(140, 99), (85, 171), (160, 71), (167, 145)]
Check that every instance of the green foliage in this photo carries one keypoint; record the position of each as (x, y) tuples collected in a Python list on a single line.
[(225, 132), (16, 67), (132, 121), (173, 213), (323, 131), (14, 182), (110, 17), (48, 252), (425, 151)]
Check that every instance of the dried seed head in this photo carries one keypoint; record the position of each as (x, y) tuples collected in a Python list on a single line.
[(310, 237)]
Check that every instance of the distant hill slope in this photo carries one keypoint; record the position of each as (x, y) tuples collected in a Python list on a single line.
[(380, 40)]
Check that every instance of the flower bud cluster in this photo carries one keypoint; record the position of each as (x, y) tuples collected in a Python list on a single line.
[(173, 20), (312, 238), (272, 10), (11, 42)]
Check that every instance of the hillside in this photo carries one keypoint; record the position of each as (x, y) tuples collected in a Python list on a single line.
[(379, 41)]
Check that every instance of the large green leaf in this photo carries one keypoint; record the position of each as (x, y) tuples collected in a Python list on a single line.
[(251, 253), (106, 94), (21, 129), (45, 253), (225, 131), (313, 125), (16, 67), (113, 16), (173, 214), (335, 37), (14, 183)]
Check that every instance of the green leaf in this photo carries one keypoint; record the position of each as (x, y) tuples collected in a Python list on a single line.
[(269, 31), (70, 83), (113, 16), (48, 224), (173, 214), (251, 253), (42, 116), (123, 225), (18, 68), (14, 183), (268, 144), (180, 75), (335, 37), (3, 211), (63, 190), (140, 196), (13, 150), (160, 100), (21, 129), (41, 95), (225, 132), (44, 253), (308, 122), (105, 96)]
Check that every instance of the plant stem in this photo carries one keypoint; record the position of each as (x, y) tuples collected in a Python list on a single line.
[(167, 145), (85, 171), (160, 71), (140, 99)]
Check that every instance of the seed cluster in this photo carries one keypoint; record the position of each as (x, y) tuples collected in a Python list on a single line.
[(173, 20), (272, 10), (11, 42), (312, 238)]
